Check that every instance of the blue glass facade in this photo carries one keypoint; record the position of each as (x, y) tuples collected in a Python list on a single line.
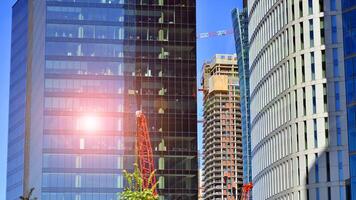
[(349, 29), (104, 60), (240, 23), (17, 112)]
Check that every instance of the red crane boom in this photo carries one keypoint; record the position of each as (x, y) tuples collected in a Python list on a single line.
[(144, 151)]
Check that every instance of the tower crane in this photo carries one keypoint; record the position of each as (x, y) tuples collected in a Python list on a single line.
[(219, 33), (144, 152), (246, 189)]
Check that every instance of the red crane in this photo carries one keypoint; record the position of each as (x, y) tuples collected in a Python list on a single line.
[(144, 151), (246, 189)]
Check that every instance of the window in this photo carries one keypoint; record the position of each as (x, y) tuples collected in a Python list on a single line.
[(315, 126), (289, 66), (352, 164), (119, 124), (323, 64), (340, 165), (312, 65), (301, 35), (333, 29), (303, 68), (161, 163), (161, 182), (293, 36), (78, 181), (325, 98), (321, 5), (333, 5), (296, 103), (298, 163), (336, 62), (293, 12), (307, 170), (326, 122), (322, 30), (311, 32), (337, 96), (295, 70), (316, 168), (305, 135), (314, 99), (317, 194), (120, 181), (349, 32), (304, 102), (327, 166), (120, 162), (297, 133), (82, 143), (351, 121), (338, 130), (342, 192), (300, 8), (310, 6)]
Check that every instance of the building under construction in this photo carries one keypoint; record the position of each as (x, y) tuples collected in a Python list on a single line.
[(223, 172)]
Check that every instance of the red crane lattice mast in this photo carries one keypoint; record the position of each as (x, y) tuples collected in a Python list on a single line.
[(246, 189), (144, 151)]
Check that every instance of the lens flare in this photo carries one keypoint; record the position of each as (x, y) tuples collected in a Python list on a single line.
[(89, 123)]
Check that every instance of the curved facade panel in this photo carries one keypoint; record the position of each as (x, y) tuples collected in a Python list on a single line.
[(298, 129)]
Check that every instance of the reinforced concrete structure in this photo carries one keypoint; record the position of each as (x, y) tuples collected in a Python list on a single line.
[(299, 127), (222, 129)]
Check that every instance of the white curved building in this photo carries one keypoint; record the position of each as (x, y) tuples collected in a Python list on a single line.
[(298, 113)]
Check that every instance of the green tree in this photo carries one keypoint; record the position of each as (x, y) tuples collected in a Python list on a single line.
[(28, 196), (135, 190)]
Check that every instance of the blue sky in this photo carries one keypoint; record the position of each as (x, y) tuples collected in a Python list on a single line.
[(212, 15)]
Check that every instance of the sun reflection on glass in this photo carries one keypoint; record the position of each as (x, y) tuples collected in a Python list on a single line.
[(89, 123)]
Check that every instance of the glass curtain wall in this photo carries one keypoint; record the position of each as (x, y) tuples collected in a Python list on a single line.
[(104, 61)]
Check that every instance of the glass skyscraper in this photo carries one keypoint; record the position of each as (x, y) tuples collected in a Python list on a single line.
[(299, 132), (80, 69), (18, 90), (240, 23), (349, 31)]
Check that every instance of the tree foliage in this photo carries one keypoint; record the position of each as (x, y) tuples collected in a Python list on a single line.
[(135, 190)]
